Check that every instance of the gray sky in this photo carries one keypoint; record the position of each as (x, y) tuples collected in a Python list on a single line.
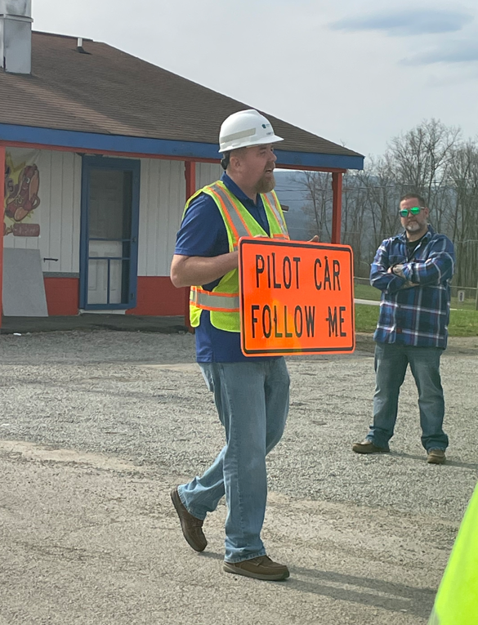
[(357, 72)]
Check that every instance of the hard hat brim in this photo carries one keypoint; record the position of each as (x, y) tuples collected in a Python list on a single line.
[(263, 141)]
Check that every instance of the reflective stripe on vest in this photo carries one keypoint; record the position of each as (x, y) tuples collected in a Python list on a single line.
[(456, 602), (274, 206), (212, 300)]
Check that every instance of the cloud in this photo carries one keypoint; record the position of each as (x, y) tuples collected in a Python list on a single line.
[(462, 51), (407, 22)]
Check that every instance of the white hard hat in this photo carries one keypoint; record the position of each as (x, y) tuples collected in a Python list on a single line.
[(245, 128)]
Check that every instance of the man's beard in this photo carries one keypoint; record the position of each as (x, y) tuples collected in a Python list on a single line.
[(414, 226), (266, 184)]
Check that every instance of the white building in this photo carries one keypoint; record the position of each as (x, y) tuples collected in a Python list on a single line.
[(100, 151)]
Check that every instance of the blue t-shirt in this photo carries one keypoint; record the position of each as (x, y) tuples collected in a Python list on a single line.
[(203, 233)]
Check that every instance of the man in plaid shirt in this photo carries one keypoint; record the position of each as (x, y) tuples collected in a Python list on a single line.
[(413, 270)]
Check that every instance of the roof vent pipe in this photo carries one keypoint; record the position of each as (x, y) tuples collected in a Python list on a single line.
[(16, 36), (79, 46)]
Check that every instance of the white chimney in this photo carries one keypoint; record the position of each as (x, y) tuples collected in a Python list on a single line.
[(16, 36)]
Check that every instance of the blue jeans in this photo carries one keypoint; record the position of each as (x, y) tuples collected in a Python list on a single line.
[(252, 399), (391, 363)]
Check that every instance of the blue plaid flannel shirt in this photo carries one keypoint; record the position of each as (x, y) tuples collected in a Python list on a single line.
[(414, 309)]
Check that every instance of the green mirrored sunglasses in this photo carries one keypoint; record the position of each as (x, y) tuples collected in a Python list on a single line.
[(410, 211)]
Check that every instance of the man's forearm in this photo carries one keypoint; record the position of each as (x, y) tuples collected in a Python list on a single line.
[(198, 270), (382, 278), (430, 272)]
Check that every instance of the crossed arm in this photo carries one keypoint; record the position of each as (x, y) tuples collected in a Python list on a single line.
[(434, 270)]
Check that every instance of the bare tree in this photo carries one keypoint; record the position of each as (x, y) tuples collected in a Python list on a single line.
[(421, 161), (384, 196), (356, 219), (464, 177), (318, 206), (431, 160)]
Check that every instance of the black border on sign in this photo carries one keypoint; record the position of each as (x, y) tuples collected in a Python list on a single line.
[(301, 244)]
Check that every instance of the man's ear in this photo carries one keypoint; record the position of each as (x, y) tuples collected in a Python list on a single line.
[(235, 161)]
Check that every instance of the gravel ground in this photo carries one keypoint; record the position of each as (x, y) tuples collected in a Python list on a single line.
[(141, 397), (96, 427)]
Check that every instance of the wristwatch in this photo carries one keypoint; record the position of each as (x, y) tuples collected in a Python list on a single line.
[(397, 270)]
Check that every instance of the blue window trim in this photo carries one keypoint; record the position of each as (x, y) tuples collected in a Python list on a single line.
[(161, 147), (121, 164)]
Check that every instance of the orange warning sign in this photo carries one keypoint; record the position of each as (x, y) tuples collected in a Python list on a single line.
[(296, 298)]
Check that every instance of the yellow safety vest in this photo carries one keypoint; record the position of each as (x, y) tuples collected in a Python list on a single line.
[(456, 602), (223, 300)]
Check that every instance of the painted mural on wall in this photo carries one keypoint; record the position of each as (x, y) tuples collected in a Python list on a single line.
[(22, 184)]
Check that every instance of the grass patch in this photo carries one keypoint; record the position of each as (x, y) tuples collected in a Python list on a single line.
[(366, 317), (468, 304), (462, 322), (365, 291)]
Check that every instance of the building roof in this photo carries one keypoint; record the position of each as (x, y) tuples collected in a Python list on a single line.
[(105, 91)]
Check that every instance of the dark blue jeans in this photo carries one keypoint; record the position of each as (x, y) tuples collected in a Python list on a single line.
[(252, 400), (391, 362)]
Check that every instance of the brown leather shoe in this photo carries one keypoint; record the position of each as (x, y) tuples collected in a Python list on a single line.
[(261, 567), (368, 447), (191, 526), (436, 456)]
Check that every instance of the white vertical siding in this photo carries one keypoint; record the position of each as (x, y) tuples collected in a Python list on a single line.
[(56, 193), (162, 199), (58, 213), (207, 173), (70, 213)]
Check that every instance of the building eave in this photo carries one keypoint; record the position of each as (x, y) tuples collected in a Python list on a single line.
[(49, 138)]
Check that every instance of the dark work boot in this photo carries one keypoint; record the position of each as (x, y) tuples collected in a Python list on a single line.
[(190, 525)]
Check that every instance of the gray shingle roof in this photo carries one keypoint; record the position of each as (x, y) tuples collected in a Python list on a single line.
[(110, 92)]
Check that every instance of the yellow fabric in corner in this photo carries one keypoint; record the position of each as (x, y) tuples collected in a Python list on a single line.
[(456, 602)]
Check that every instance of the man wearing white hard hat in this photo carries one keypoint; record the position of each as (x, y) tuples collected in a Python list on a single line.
[(251, 393)]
